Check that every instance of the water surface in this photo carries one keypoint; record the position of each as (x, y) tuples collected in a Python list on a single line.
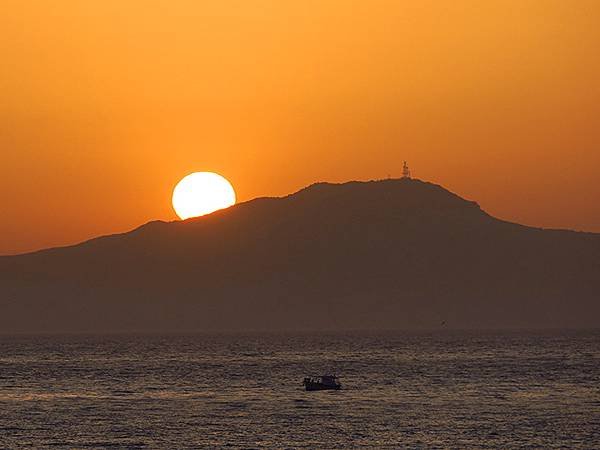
[(411, 390)]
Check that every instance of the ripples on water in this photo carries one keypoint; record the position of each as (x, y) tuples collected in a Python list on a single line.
[(496, 390)]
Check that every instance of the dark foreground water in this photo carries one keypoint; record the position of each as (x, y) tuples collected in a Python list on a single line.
[(440, 390)]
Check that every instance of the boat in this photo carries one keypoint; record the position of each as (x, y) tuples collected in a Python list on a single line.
[(322, 383)]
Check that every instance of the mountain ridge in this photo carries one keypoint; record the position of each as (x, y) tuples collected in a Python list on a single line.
[(384, 254), (306, 189)]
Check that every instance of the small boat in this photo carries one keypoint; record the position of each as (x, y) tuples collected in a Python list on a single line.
[(322, 383)]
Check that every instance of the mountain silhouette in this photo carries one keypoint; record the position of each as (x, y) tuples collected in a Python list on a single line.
[(389, 254)]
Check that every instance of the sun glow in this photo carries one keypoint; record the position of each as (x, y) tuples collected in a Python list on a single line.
[(202, 193)]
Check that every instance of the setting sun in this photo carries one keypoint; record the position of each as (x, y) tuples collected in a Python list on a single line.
[(202, 193)]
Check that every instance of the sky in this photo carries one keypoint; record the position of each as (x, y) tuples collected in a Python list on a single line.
[(106, 104)]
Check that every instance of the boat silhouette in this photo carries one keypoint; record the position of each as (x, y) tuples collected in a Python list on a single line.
[(322, 383)]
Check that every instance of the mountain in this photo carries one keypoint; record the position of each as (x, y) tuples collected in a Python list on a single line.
[(389, 254)]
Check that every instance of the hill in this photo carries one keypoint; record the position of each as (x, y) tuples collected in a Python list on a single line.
[(389, 254)]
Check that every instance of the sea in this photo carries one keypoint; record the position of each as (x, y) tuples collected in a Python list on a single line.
[(442, 389)]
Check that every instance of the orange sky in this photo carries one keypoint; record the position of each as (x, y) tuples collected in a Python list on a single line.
[(106, 104)]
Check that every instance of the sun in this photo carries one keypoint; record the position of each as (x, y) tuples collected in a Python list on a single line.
[(201, 193)]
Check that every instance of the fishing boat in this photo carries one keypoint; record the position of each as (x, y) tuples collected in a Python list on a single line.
[(322, 383)]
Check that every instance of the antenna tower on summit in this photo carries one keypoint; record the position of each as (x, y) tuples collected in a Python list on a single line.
[(405, 171)]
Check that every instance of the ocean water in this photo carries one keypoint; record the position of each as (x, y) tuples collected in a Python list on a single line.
[(400, 390)]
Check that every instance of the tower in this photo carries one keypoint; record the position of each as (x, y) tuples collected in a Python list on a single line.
[(405, 171)]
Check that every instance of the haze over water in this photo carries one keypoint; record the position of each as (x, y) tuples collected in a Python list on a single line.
[(432, 390)]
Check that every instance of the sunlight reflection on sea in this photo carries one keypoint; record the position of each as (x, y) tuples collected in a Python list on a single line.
[(433, 390)]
